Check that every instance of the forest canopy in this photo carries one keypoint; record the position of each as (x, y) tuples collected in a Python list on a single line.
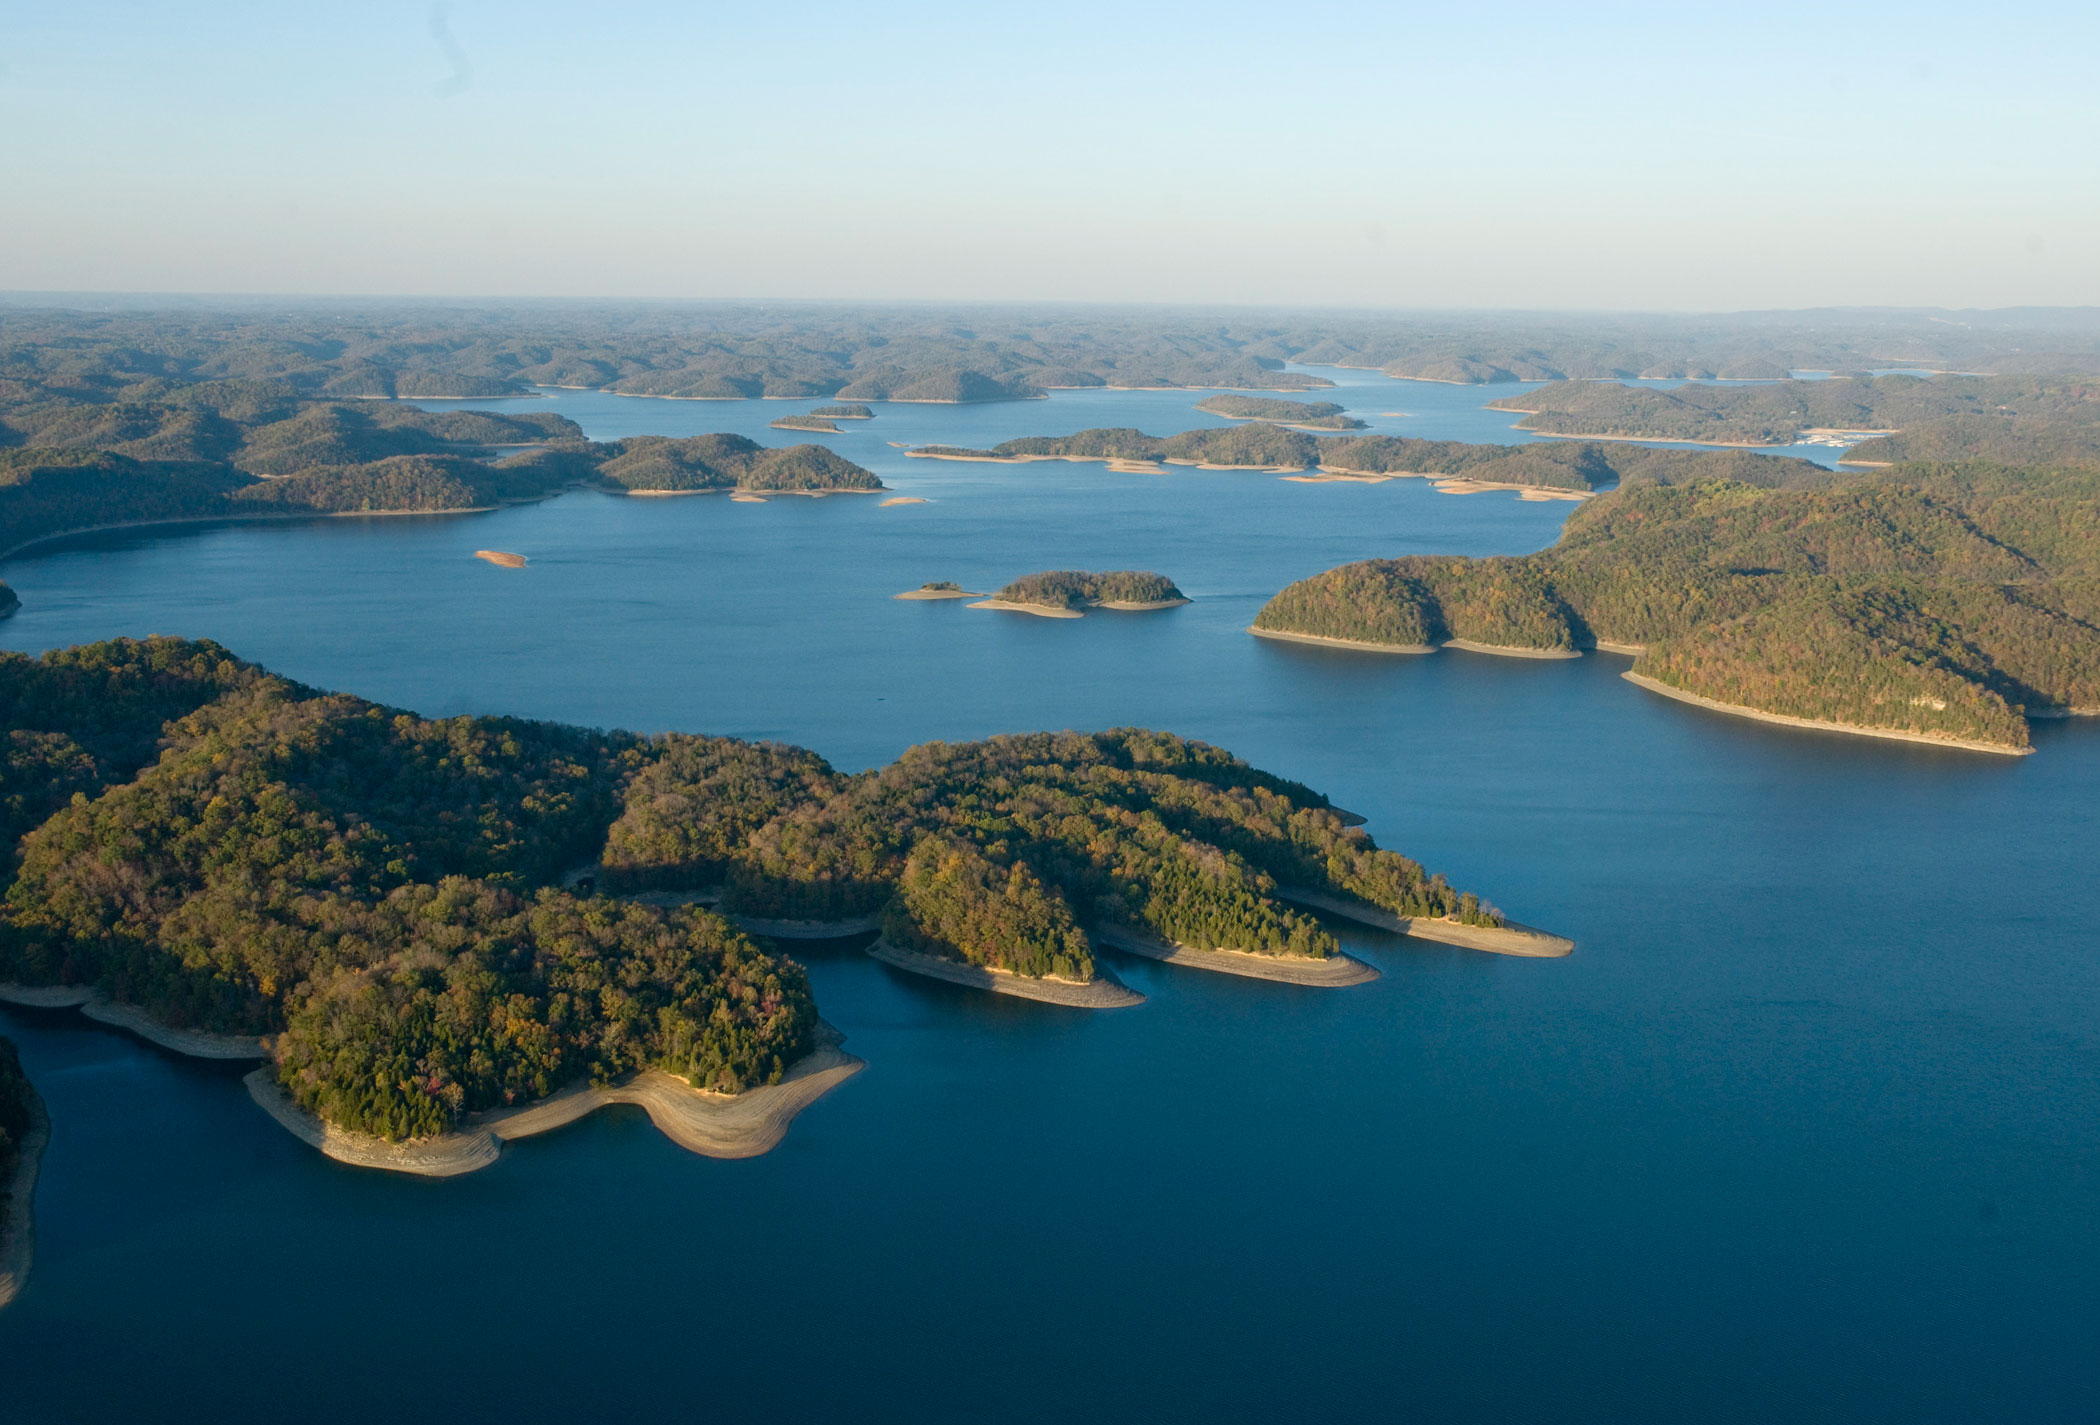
[(383, 893), (1948, 601)]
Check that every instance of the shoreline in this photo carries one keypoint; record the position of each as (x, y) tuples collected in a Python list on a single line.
[(1102, 992), (1890, 734), (939, 594), (18, 1237), (1360, 645), (1510, 650), (1338, 971), (1039, 610), (1510, 938), (1442, 484), (194, 1043), (714, 1125)]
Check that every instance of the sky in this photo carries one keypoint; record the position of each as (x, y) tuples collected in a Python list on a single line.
[(1655, 157)]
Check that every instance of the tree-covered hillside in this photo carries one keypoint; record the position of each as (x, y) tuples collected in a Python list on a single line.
[(381, 892), (1943, 601)]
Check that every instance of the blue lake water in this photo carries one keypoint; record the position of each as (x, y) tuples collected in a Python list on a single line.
[(1805, 1129)]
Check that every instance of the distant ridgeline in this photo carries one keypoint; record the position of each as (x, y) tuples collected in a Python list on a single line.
[(230, 851), (729, 351), (1323, 415), (1261, 446), (229, 449), (1941, 601), (2003, 418)]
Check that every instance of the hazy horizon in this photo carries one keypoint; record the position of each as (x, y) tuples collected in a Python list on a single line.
[(1629, 159)]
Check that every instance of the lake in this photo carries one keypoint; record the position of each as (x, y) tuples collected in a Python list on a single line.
[(1804, 1129)]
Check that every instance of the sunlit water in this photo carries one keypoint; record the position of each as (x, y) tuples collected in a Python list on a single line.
[(1805, 1129)]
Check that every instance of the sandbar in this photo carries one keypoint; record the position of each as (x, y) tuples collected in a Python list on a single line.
[(1509, 938), (196, 1043), (901, 500), (1506, 650), (1337, 971), (1039, 610), (1360, 645), (18, 1237), (1820, 724), (715, 1125), (938, 594), (1104, 991), (501, 559), (742, 498)]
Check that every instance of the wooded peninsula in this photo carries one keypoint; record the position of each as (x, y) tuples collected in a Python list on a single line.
[(376, 900), (1940, 602), (1552, 465)]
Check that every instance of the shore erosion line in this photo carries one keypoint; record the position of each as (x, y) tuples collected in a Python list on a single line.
[(1930, 739), (18, 1237), (1510, 938), (714, 1125), (1337, 971), (1499, 650), (1135, 606), (1104, 991), (195, 1043)]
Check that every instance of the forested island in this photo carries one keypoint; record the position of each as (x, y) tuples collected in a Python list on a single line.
[(1944, 603), (1068, 591), (375, 901), (849, 412), (1306, 415), (2009, 419), (818, 424), (1571, 466)]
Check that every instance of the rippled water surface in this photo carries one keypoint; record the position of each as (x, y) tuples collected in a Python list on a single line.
[(1807, 1128)]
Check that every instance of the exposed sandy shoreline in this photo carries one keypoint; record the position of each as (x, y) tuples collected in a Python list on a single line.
[(903, 500), (1356, 643), (937, 594), (712, 1124), (1631, 650), (1336, 972), (18, 1237), (1117, 464), (809, 425), (1102, 992), (1039, 610), (1822, 725), (502, 559), (1509, 939), (1138, 606), (1443, 484), (196, 1043), (1504, 650)]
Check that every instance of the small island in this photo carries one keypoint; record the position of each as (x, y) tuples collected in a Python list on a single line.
[(1068, 593), (818, 424), (938, 589), (1304, 415), (849, 412), (501, 558)]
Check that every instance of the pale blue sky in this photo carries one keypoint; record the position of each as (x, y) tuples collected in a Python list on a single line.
[(1657, 156)]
